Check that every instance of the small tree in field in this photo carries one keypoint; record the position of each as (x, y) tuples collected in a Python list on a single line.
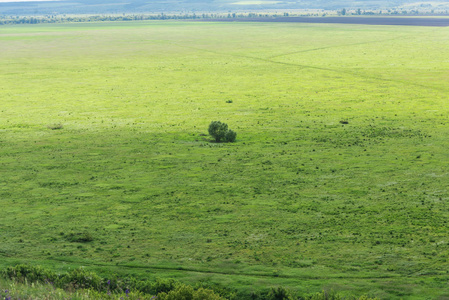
[(219, 131)]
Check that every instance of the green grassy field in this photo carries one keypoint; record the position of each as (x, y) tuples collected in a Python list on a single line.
[(300, 200)]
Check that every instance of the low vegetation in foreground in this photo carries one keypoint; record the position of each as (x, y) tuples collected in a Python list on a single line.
[(337, 179), (33, 282)]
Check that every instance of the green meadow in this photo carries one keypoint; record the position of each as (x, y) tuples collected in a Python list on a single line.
[(338, 178)]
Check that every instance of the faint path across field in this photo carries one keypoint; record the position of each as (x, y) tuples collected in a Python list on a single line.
[(252, 274), (400, 21), (355, 73)]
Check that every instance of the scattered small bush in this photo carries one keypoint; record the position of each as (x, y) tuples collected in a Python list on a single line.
[(332, 295), (186, 292), (79, 237), (55, 126), (81, 278), (30, 273), (220, 132), (279, 293), (156, 287)]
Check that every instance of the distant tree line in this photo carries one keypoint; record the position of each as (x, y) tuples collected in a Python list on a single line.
[(391, 12), (7, 20)]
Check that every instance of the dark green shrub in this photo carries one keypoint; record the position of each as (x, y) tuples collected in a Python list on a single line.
[(55, 126), (219, 131), (331, 295), (230, 136), (279, 293), (186, 292), (82, 279), (163, 286), (79, 237), (30, 273), (205, 294), (225, 292)]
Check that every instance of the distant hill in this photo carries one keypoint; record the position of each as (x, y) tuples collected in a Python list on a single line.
[(159, 6)]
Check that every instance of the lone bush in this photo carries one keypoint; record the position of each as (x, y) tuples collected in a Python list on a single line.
[(220, 132)]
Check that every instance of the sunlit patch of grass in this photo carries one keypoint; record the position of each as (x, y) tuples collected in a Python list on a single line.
[(338, 175)]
